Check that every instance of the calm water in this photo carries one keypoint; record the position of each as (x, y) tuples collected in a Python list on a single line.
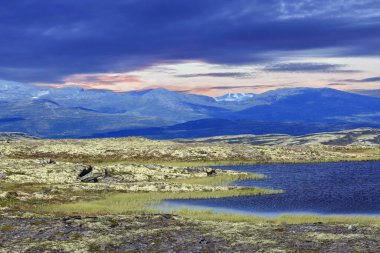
[(350, 188)]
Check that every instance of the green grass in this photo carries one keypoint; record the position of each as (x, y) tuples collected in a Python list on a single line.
[(217, 180), (142, 202), (6, 228), (210, 215)]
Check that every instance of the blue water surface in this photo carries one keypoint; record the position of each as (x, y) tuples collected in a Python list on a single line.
[(343, 188)]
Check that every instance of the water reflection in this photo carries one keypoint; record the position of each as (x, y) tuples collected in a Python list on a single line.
[(346, 188)]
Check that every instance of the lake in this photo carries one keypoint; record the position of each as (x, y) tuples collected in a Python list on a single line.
[(342, 188)]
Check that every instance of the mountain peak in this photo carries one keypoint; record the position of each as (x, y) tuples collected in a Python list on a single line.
[(234, 97)]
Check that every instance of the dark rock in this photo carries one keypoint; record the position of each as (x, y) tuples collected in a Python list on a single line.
[(107, 173), (211, 172), (85, 171), (11, 194), (75, 217)]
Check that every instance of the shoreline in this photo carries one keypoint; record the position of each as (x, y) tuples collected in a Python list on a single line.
[(95, 217)]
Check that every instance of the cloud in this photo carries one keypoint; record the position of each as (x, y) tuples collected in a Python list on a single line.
[(338, 84), (239, 75), (209, 89), (308, 68), (365, 80), (108, 79), (46, 41)]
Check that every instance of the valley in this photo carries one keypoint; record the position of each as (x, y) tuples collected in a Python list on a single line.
[(80, 195)]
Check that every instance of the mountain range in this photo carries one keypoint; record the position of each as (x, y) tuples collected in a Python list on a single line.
[(73, 112)]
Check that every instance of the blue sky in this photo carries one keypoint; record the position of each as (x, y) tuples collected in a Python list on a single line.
[(202, 46)]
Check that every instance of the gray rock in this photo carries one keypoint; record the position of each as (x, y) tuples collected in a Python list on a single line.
[(47, 161), (2, 176), (90, 179)]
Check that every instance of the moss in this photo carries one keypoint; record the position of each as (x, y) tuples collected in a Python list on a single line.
[(6, 228)]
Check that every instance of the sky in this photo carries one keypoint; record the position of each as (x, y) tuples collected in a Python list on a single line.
[(206, 47)]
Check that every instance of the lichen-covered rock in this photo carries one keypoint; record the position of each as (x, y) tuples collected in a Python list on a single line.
[(169, 233), (47, 161)]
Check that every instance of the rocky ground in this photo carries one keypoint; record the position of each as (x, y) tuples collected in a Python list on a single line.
[(35, 173), (168, 233), (135, 149), (360, 136)]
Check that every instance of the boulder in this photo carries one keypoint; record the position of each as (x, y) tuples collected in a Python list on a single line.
[(211, 172), (84, 170), (107, 173), (86, 174)]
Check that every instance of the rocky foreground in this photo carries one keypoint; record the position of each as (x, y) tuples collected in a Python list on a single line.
[(168, 233), (35, 174)]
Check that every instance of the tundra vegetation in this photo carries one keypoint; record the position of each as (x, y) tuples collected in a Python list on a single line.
[(98, 195)]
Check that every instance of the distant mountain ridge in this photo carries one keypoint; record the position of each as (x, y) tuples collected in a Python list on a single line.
[(75, 112), (9, 136)]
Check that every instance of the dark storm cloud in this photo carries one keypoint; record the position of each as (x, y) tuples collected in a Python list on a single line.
[(308, 68), (44, 40), (365, 80)]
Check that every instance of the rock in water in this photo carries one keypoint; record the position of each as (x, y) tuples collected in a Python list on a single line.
[(211, 172)]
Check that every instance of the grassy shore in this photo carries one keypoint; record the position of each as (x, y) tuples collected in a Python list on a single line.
[(210, 215), (218, 180), (143, 203)]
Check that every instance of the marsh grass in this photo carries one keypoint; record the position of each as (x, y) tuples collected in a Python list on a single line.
[(143, 202), (210, 215), (218, 180)]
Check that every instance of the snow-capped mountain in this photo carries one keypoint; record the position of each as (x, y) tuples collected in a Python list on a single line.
[(235, 97)]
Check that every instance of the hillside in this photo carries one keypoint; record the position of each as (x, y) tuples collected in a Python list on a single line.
[(361, 136)]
